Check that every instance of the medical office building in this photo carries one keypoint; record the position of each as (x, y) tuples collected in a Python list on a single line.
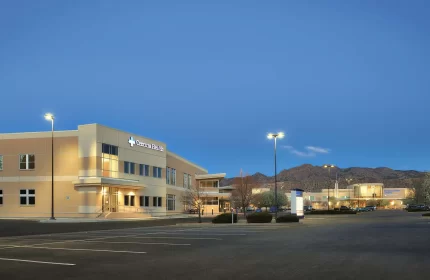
[(98, 172)]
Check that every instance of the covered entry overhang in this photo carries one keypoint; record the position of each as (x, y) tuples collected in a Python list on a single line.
[(107, 193), (99, 181)]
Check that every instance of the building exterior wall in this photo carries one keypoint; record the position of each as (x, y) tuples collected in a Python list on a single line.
[(78, 158)]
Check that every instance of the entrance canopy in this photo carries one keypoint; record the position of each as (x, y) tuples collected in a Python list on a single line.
[(119, 183)]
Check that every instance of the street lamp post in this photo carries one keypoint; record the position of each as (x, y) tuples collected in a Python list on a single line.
[(329, 167), (279, 135), (348, 180), (50, 117)]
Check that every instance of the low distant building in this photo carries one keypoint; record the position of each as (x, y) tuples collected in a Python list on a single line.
[(356, 194)]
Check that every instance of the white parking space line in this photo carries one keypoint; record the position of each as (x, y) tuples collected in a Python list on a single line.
[(195, 233), (179, 238), (77, 249), (142, 243), (30, 261)]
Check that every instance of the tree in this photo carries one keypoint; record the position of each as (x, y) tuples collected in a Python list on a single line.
[(242, 191), (193, 197), (426, 188), (267, 199), (418, 187)]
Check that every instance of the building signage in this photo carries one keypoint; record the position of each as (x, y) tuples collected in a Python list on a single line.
[(139, 143), (297, 202)]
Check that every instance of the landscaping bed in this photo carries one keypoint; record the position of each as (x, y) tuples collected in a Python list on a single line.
[(262, 217), (224, 218), (287, 219)]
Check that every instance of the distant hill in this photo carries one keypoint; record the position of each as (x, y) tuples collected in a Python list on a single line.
[(315, 178)]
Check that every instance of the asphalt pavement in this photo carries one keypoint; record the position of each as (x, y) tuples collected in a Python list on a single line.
[(373, 245)]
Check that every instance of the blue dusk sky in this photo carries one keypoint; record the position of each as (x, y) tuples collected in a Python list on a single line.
[(347, 81)]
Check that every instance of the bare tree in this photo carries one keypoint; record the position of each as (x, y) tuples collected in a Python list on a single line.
[(193, 197), (242, 192)]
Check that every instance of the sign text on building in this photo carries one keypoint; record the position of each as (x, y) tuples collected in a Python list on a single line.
[(136, 142)]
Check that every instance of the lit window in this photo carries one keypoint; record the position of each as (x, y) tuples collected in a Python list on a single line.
[(27, 162), (109, 161), (27, 197)]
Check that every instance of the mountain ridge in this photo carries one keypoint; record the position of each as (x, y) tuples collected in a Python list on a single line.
[(314, 178)]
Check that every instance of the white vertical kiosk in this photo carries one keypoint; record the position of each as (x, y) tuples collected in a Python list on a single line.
[(297, 203)]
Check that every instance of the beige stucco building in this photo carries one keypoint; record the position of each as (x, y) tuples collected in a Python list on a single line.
[(98, 172)]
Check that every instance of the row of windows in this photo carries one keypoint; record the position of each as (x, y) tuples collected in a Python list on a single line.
[(26, 162), (157, 201), (129, 168), (26, 197)]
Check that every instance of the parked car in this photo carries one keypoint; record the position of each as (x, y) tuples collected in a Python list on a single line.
[(307, 208), (362, 209), (345, 208), (258, 210), (371, 208), (193, 211)]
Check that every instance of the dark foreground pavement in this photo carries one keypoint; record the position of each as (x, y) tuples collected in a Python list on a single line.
[(374, 245), (10, 227)]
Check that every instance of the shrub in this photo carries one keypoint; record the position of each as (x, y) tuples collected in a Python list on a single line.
[(330, 212), (426, 214), (224, 218), (287, 219), (262, 217)]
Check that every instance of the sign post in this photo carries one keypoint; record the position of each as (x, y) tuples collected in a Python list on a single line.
[(297, 203)]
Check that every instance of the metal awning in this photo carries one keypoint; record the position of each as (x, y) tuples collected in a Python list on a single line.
[(119, 183)]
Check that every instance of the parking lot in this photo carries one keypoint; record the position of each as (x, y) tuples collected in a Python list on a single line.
[(389, 244)]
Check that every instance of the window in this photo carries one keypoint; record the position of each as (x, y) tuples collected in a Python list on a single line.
[(129, 167), (187, 180), (109, 161), (171, 176), (129, 200), (171, 205), (209, 184), (157, 201), (27, 162), (210, 201), (144, 201), (1, 197), (143, 170), (109, 149), (168, 175), (1, 162), (156, 172), (27, 197), (190, 181)]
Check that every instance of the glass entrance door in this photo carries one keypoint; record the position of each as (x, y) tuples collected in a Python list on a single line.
[(113, 195)]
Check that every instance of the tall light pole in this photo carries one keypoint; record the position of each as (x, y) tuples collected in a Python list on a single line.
[(349, 180), (329, 167), (279, 135), (50, 117)]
